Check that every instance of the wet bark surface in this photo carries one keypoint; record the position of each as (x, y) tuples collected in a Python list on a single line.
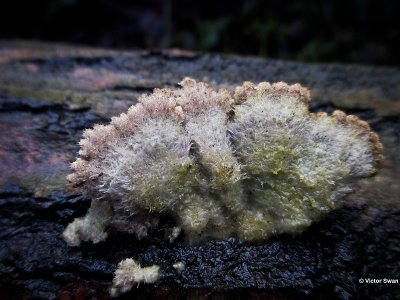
[(50, 93)]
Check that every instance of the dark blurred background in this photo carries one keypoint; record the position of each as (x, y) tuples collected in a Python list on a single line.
[(355, 31)]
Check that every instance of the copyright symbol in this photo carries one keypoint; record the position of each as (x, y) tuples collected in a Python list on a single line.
[(361, 280)]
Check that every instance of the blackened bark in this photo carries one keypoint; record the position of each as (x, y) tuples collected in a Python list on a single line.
[(50, 93)]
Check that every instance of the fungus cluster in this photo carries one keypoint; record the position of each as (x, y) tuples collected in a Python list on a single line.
[(246, 163)]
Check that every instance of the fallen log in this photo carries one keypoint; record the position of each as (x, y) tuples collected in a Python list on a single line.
[(50, 93)]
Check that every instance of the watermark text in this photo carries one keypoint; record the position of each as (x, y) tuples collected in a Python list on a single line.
[(378, 280)]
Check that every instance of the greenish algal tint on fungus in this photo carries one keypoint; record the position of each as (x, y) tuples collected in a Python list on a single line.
[(247, 163)]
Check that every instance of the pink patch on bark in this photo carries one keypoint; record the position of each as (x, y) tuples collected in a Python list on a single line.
[(22, 154)]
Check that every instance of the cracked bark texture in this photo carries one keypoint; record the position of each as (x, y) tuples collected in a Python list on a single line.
[(49, 93)]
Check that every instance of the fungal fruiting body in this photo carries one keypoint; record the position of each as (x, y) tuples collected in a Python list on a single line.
[(129, 273), (248, 163)]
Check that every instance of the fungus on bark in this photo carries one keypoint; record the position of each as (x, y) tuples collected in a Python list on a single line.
[(247, 163)]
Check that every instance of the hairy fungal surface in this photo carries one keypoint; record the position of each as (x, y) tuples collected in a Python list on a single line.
[(129, 273), (247, 163)]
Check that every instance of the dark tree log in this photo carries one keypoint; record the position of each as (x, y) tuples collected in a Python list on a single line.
[(50, 93)]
